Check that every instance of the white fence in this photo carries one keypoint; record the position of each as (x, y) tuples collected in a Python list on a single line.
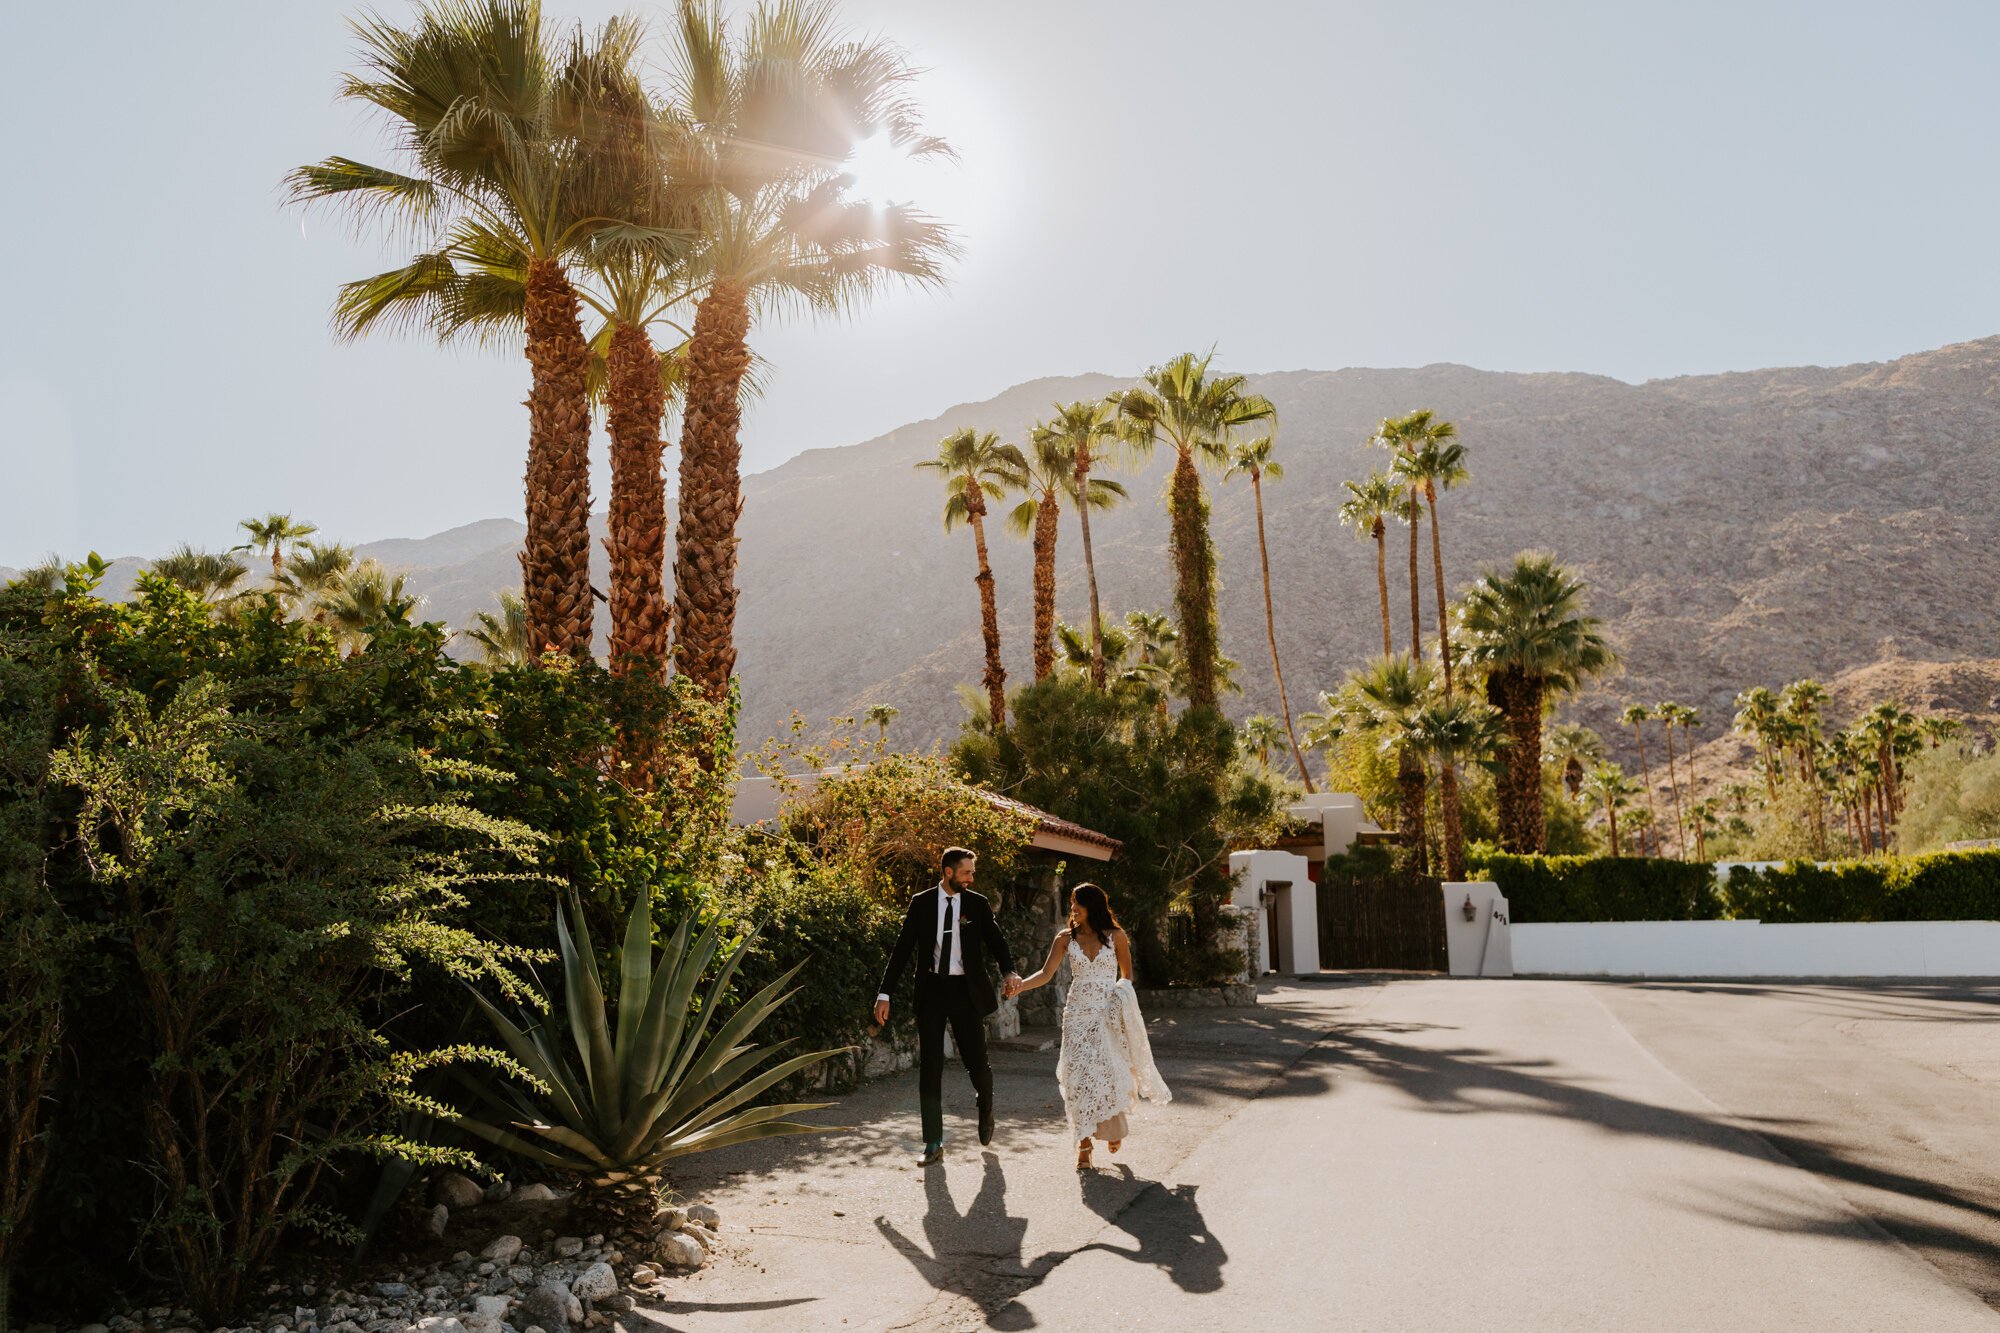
[(1754, 949)]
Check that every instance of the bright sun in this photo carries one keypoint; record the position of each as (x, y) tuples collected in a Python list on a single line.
[(883, 173)]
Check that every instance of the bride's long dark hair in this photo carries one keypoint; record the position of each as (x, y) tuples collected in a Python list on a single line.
[(1097, 913)]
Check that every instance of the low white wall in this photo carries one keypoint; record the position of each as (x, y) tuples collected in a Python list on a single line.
[(1754, 949)]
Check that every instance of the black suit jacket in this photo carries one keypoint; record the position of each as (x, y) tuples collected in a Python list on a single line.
[(979, 938)]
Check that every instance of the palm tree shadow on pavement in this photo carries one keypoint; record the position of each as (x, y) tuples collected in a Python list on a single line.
[(976, 1256)]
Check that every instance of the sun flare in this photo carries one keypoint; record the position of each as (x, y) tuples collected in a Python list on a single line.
[(882, 172)]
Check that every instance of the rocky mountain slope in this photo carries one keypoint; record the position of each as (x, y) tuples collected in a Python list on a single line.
[(1735, 529)]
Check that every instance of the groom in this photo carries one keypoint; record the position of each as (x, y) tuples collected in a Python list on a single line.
[(949, 929)]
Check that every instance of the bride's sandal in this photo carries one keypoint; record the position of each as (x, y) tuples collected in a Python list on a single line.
[(1083, 1156)]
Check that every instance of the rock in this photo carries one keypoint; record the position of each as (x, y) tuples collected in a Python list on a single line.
[(619, 1302), (706, 1238), (480, 1323), (502, 1250), (670, 1219), (94, 1328), (643, 1274), (458, 1190), (439, 1216), (567, 1246), (594, 1240), (438, 1323), (392, 1290), (681, 1251), (575, 1309), (537, 1193), (495, 1307), (595, 1283), (707, 1216), (521, 1274), (548, 1306), (498, 1190)]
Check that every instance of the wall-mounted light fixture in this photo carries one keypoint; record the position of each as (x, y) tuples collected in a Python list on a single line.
[(1469, 912)]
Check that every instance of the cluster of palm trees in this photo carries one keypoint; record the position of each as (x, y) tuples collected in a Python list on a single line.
[(624, 206), (313, 580), (1515, 641), (1607, 789), (1206, 418), (1855, 773)]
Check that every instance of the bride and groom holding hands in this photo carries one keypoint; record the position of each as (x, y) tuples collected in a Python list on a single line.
[(1105, 1061)]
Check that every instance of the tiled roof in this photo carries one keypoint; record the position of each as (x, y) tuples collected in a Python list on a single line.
[(1053, 824)]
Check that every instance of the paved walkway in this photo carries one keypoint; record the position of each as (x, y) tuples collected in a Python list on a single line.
[(1419, 1154)]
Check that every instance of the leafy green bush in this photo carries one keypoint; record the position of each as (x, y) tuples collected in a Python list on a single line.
[(1943, 886), (1600, 888)]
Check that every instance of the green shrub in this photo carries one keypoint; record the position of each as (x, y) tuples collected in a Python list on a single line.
[(1943, 886), (1543, 889)]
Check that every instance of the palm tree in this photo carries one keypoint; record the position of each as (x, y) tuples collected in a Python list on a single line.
[(1454, 729), (1431, 460), (1366, 510), (211, 577), (1391, 691), (1198, 415), (1608, 788), (1802, 703), (1669, 714), (515, 160), (1526, 628), (1756, 711), (1257, 735), (1252, 458), (1572, 745), (1088, 432), (368, 600), (881, 715), (1636, 716), (1051, 474), (769, 115), (270, 535), (976, 468), (502, 635), (314, 572), (1937, 730), (1393, 435)]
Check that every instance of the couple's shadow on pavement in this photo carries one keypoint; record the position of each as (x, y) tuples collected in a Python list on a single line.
[(978, 1255)]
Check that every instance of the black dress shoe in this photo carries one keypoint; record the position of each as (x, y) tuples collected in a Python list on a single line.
[(985, 1125), (933, 1154)]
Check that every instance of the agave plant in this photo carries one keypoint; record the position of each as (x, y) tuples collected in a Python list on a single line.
[(648, 1083)]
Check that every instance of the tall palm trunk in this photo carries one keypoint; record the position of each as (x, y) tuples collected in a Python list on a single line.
[(1045, 586), (1645, 773), (1416, 611), (1611, 819), (1410, 785), (637, 540), (555, 558), (1194, 578), (1097, 674), (995, 677), (711, 489), (1271, 631), (1382, 581), (1523, 822), (1674, 786), (1437, 569), (1448, 813)]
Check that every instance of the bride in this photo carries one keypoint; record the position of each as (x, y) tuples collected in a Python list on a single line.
[(1105, 1057)]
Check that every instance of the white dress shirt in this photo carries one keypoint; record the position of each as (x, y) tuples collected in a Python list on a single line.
[(955, 965)]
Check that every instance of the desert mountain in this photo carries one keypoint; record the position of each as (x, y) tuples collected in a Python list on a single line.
[(1735, 529)]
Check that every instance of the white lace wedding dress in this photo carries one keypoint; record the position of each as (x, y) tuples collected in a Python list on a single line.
[(1106, 1059)]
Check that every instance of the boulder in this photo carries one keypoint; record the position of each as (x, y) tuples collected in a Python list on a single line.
[(681, 1251), (707, 1216), (670, 1219), (547, 1305), (494, 1307), (502, 1250), (536, 1193), (703, 1236), (499, 1190), (567, 1247), (440, 1215), (595, 1283), (455, 1189)]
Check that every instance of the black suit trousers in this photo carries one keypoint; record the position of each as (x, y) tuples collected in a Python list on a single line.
[(942, 1000)]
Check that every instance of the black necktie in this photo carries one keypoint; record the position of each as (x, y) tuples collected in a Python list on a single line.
[(944, 944)]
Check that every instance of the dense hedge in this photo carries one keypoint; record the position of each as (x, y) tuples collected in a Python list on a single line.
[(1943, 886), (1601, 888)]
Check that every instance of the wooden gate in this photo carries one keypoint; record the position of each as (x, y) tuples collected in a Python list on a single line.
[(1394, 922)]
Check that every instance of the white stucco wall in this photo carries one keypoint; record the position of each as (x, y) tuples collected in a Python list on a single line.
[(1297, 905), (1481, 947), (1754, 949)]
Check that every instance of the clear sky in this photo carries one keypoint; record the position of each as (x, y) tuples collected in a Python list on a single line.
[(1634, 189)]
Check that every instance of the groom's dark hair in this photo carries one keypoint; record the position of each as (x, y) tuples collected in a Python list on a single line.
[(953, 855)]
